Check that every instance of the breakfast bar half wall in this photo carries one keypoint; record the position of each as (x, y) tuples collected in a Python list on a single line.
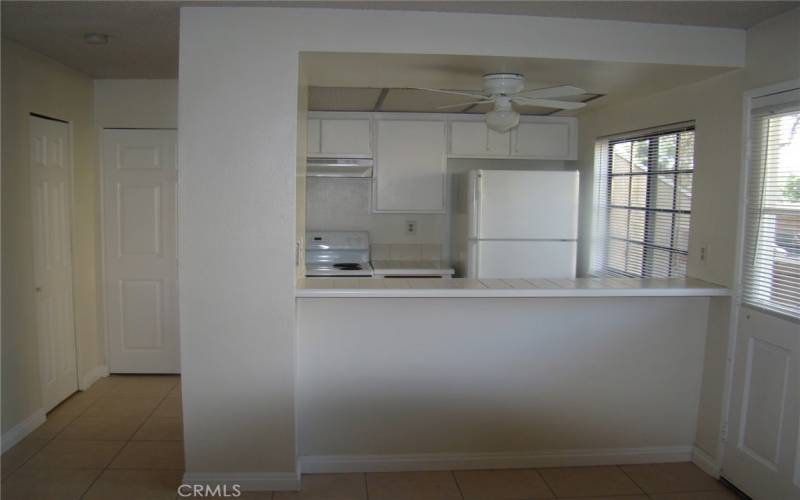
[(446, 378)]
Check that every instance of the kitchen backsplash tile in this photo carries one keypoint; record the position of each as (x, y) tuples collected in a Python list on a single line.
[(406, 252), (431, 252), (380, 252)]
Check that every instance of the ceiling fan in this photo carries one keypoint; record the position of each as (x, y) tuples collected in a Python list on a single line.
[(503, 89)]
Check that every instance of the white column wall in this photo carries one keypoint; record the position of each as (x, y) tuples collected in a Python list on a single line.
[(237, 148)]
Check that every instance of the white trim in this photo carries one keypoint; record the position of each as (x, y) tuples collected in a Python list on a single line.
[(22, 429), (459, 461), (247, 481), (93, 376), (706, 462)]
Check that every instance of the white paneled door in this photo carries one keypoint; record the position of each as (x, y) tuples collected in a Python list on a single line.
[(140, 238), (51, 197), (762, 452)]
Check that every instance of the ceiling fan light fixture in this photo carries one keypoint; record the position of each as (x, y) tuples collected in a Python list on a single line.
[(503, 117), (502, 121)]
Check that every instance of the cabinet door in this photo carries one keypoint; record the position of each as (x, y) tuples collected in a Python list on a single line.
[(543, 140), (474, 138), (313, 136), (349, 137), (410, 166)]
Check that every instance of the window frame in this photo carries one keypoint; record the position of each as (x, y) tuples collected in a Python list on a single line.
[(603, 266), (749, 275)]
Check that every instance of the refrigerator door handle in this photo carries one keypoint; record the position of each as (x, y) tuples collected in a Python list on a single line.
[(473, 258), (475, 211)]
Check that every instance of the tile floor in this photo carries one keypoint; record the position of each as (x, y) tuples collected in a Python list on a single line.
[(122, 440)]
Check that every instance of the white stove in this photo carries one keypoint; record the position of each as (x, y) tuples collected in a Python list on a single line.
[(338, 253)]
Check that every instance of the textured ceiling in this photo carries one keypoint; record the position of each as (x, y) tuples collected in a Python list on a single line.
[(144, 34)]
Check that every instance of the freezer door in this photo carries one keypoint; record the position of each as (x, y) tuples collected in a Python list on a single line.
[(510, 204), (522, 259)]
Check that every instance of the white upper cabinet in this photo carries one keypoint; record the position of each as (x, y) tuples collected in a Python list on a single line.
[(474, 139), (547, 138), (340, 135), (410, 164)]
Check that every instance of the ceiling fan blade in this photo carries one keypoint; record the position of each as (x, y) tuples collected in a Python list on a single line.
[(464, 104), (474, 95), (548, 103), (559, 91)]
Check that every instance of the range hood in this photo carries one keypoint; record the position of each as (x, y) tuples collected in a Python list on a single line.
[(339, 167)]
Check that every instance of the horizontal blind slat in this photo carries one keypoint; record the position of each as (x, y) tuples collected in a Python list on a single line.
[(772, 230), (643, 203)]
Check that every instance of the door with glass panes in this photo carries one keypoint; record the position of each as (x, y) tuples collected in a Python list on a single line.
[(762, 442)]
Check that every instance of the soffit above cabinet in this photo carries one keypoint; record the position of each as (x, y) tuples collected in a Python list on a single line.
[(404, 100)]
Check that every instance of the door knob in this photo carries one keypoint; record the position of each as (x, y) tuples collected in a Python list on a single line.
[(38, 289)]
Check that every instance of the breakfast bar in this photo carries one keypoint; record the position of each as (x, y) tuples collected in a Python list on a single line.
[(412, 374)]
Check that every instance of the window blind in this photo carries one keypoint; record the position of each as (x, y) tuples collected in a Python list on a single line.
[(771, 277), (644, 203)]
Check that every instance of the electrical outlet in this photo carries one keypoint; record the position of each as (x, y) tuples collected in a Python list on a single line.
[(704, 253), (411, 227)]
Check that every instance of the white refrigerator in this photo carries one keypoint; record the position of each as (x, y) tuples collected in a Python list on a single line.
[(519, 224)]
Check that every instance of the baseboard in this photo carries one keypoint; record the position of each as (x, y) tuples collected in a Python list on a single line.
[(247, 481), (22, 429), (706, 462), (455, 461), (92, 376)]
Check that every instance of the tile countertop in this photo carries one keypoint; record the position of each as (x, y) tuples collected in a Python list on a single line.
[(462, 287), (411, 268)]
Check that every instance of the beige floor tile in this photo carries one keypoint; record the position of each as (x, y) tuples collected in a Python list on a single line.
[(589, 481), (160, 429), (55, 423), (75, 455), (671, 478), (135, 485), (75, 404), (85, 428), (698, 495), (176, 392), (19, 454), (328, 487), (512, 484), (122, 406), (49, 484), (170, 407), (141, 385), (150, 455), (436, 485), (103, 385), (619, 497)]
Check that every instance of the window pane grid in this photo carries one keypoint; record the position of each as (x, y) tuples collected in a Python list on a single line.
[(644, 208)]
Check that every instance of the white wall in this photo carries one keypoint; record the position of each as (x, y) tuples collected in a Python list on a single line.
[(716, 106), (382, 381), (773, 50), (33, 83), (237, 150), (136, 103)]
